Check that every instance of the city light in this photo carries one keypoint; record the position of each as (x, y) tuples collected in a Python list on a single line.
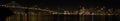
[(82, 11)]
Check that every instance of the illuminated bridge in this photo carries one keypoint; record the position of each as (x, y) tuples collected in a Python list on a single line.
[(38, 14)]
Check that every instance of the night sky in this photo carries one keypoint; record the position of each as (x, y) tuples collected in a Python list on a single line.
[(66, 3)]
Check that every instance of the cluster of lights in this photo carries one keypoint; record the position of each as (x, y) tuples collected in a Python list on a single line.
[(82, 11)]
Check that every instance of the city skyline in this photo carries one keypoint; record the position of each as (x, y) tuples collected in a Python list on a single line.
[(13, 5)]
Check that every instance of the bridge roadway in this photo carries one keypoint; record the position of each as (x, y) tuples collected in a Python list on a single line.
[(52, 12)]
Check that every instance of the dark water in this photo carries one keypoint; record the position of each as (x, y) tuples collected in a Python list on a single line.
[(4, 12), (81, 17)]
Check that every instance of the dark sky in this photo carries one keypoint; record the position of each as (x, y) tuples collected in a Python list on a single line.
[(68, 3)]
